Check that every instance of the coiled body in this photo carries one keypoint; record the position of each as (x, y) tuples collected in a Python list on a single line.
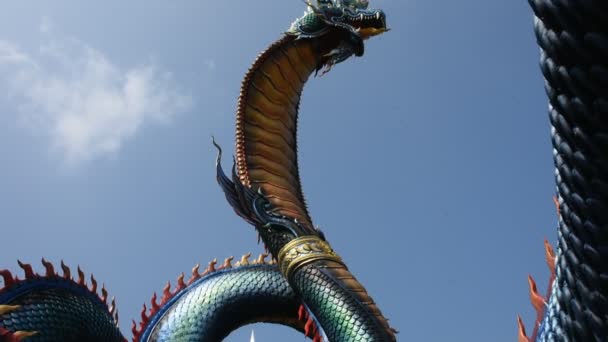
[(222, 301)]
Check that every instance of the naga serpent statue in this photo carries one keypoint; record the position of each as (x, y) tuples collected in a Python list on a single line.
[(306, 285)]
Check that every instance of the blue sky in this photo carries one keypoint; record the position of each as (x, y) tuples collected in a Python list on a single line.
[(427, 162)]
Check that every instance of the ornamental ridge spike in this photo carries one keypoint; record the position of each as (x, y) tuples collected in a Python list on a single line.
[(313, 328), (81, 280), (66, 271), (302, 313), (112, 305), (180, 283), (211, 266), (521, 331), (93, 284), (195, 270), (244, 260), (227, 262), (27, 270), (261, 258), (8, 279), (134, 330), (308, 327), (166, 293), (537, 300), (195, 275), (550, 257), (153, 302), (144, 318), (50, 270), (104, 294)]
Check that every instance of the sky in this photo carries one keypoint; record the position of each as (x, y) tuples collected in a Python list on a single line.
[(427, 162)]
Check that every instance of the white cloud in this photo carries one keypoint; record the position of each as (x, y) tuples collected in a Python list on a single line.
[(9, 54), (85, 104)]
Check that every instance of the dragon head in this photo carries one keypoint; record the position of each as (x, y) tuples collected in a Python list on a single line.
[(353, 15), (346, 24)]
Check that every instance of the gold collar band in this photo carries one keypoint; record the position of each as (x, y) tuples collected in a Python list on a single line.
[(304, 250)]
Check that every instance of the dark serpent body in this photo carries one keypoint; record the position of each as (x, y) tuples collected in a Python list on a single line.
[(306, 285), (573, 37)]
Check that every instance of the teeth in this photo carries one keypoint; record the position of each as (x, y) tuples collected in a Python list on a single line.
[(378, 16)]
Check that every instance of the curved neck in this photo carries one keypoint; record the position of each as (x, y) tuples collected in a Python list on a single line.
[(266, 153), (267, 114)]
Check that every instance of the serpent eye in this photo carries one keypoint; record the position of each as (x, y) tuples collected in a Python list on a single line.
[(355, 4), (361, 4)]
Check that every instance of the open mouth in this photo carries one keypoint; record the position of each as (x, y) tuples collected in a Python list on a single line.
[(361, 21)]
